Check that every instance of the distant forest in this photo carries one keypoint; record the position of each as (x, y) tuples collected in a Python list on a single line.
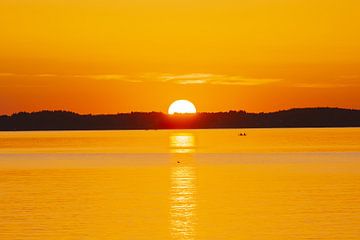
[(63, 120)]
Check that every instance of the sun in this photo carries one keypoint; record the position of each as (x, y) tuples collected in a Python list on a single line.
[(182, 106)]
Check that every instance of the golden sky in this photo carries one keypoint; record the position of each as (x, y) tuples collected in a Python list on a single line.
[(108, 56)]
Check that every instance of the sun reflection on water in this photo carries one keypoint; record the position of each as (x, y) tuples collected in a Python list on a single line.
[(183, 187), (182, 143)]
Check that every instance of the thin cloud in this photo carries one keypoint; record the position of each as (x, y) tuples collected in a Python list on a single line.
[(6, 74), (202, 78), (351, 77), (45, 75), (325, 85), (41, 75), (191, 78), (52, 75), (197, 77), (106, 76), (342, 81)]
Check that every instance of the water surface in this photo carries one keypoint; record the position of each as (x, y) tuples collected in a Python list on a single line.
[(184, 184)]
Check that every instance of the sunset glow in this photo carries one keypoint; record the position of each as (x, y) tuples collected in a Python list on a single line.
[(110, 56)]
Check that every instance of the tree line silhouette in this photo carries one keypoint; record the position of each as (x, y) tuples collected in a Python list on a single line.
[(64, 120)]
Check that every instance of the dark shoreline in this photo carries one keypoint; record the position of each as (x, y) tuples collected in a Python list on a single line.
[(293, 118)]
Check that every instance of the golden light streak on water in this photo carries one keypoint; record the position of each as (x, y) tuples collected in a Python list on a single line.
[(183, 187), (182, 143)]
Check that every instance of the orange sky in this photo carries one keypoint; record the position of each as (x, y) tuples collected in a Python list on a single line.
[(108, 56)]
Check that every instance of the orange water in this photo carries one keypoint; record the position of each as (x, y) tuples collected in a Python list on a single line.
[(188, 184)]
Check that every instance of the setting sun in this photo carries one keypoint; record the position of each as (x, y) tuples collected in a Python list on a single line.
[(182, 106)]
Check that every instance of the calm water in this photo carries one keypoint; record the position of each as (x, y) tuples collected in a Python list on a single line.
[(186, 184)]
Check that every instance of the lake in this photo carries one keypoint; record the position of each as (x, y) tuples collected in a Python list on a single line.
[(181, 184)]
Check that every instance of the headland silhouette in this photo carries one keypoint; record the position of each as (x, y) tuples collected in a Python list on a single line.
[(64, 120)]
